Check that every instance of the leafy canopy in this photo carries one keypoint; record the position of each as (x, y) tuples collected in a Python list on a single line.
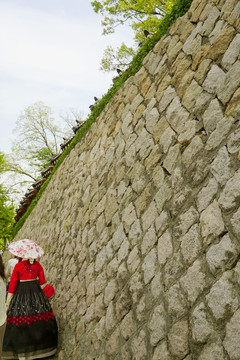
[(7, 211), (140, 15)]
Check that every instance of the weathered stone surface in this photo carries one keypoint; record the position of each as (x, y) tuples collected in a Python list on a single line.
[(191, 244), (178, 338), (219, 134), (149, 240), (233, 142), (140, 222), (138, 346), (149, 266), (157, 325), (177, 304), (176, 115), (191, 94), (168, 96), (127, 325), (192, 149), (221, 166), (235, 221), (165, 247), (194, 281), (167, 139), (222, 298), (149, 216), (161, 352), (171, 159), (212, 222), (231, 342), (231, 192), (221, 42), (213, 351), (232, 53), (186, 220), (212, 115), (222, 255), (230, 84), (214, 80), (173, 269), (201, 324), (207, 194)]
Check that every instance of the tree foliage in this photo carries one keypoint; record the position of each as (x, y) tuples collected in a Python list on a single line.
[(7, 211), (37, 139), (139, 14)]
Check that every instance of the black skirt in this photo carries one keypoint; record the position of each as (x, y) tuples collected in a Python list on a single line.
[(31, 330)]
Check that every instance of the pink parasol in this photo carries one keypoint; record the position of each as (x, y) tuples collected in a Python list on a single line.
[(26, 248)]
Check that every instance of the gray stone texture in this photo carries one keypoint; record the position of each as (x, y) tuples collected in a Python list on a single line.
[(140, 223)]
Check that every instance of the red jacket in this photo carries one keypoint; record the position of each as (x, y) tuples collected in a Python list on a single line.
[(26, 271)]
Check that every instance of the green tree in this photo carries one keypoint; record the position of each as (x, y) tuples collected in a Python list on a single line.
[(38, 139), (7, 211), (139, 14)]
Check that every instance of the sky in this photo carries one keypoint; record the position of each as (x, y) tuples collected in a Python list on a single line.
[(50, 51)]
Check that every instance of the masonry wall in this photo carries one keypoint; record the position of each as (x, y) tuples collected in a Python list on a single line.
[(141, 222)]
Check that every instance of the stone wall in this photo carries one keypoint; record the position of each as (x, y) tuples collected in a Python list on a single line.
[(140, 223)]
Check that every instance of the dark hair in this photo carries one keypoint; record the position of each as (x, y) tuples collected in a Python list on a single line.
[(2, 272)]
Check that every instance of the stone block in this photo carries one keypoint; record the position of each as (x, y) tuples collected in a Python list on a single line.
[(211, 221), (133, 259), (233, 108), (212, 115), (219, 134), (168, 95), (148, 266), (123, 305), (202, 326), (223, 297), (186, 220), (222, 255), (213, 351), (207, 194), (127, 325), (136, 286), (148, 241), (231, 341), (221, 42), (232, 53), (177, 302), (195, 146), (157, 324), (230, 84), (221, 166), (161, 352), (235, 221), (167, 139), (177, 115), (215, 80), (194, 281), (138, 346), (178, 339), (191, 244), (165, 247), (172, 158), (231, 192)]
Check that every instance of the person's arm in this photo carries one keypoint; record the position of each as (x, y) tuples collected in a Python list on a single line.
[(14, 280), (41, 277), (9, 298)]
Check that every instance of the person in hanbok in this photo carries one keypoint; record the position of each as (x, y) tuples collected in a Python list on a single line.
[(10, 267), (3, 315), (31, 331)]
